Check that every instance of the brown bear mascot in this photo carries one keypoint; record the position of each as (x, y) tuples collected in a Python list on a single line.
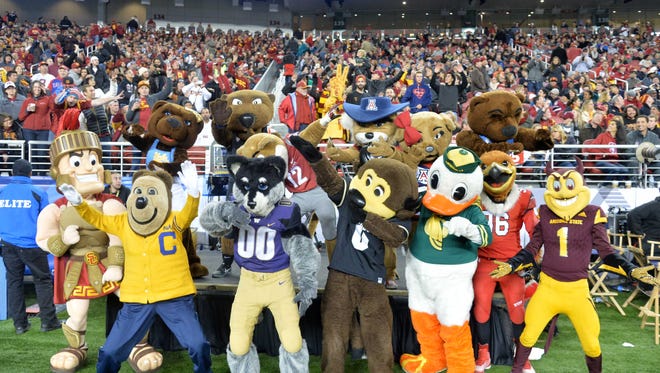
[(171, 131)]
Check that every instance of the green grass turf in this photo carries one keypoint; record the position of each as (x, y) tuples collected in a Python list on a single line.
[(31, 351)]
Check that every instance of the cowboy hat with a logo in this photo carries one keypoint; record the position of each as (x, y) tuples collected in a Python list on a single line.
[(372, 109)]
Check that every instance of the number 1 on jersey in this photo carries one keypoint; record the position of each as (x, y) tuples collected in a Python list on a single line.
[(562, 234)]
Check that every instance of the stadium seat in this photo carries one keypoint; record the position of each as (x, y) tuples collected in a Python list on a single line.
[(590, 158), (650, 311), (597, 278)]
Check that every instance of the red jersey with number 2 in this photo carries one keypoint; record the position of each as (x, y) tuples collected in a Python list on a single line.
[(300, 177)]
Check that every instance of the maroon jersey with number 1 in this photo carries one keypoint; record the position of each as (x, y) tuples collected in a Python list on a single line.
[(568, 244)]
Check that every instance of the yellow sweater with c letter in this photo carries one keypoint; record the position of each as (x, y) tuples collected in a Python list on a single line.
[(156, 266)]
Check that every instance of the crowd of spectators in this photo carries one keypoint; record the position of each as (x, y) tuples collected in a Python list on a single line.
[(579, 79)]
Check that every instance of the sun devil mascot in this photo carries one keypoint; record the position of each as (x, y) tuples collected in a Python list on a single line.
[(569, 227), (442, 261)]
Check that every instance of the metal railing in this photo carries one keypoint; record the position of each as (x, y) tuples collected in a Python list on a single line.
[(632, 173), (122, 156)]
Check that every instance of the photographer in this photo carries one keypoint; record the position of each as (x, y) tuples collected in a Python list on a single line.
[(98, 71), (645, 220), (196, 93), (139, 107)]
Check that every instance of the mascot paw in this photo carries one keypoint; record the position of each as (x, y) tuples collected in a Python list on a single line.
[(68, 359), (422, 150), (543, 140), (113, 273), (305, 297), (221, 112), (381, 149), (197, 270), (135, 130), (155, 166), (516, 147), (71, 236), (334, 153), (144, 358), (307, 149)]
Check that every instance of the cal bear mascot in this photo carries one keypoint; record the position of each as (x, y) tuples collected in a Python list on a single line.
[(508, 209), (157, 279), (442, 261), (568, 229), (269, 237)]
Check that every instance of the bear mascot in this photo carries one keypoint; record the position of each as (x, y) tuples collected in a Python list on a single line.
[(269, 239), (494, 119)]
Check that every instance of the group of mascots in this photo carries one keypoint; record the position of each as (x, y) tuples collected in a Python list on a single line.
[(457, 208)]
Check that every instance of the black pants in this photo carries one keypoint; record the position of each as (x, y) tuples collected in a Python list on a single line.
[(15, 259)]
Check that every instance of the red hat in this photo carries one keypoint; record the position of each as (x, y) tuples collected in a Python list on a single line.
[(43, 63), (568, 115), (302, 84), (360, 77), (62, 67), (75, 65), (379, 73)]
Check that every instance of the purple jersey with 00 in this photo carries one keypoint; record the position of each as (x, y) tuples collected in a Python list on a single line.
[(259, 248), (568, 244)]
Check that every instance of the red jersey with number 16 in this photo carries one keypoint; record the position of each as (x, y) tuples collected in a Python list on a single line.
[(506, 228)]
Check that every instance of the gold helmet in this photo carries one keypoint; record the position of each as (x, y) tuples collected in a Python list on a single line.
[(69, 141)]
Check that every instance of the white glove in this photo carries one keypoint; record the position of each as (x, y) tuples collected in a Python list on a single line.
[(113, 273), (460, 226), (71, 194), (329, 116), (71, 236), (188, 177)]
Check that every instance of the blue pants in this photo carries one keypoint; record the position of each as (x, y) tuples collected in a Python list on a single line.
[(133, 321), (41, 159)]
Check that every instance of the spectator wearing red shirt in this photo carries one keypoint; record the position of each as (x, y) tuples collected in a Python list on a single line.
[(607, 160), (298, 109), (242, 80), (94, 32)]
